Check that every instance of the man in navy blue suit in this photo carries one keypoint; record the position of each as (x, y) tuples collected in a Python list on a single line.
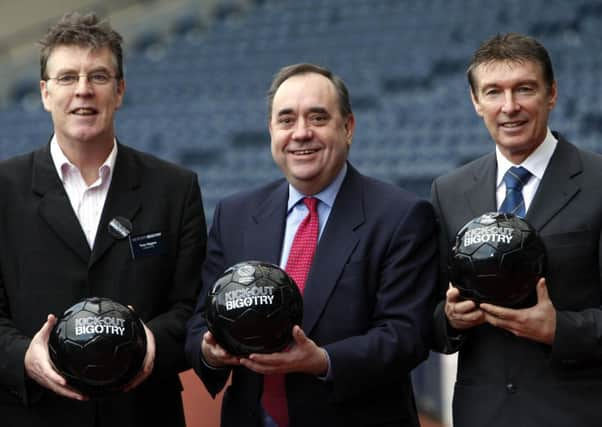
[(369, 290)]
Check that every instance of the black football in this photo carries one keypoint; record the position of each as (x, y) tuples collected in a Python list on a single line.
[(497, 258), (98, 345), (253, 307)]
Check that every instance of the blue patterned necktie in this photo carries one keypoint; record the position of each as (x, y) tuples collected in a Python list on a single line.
[(515, 178)]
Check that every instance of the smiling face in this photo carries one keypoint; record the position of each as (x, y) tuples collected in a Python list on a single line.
[(82, 112), (514, 102), (310, 137)]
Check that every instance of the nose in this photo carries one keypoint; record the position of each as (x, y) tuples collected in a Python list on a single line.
[(510, 104), (302, 131), (83, 85)]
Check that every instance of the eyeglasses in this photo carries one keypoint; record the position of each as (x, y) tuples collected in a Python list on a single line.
[(97, 78)]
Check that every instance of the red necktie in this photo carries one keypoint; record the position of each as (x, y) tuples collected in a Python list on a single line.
[(297, 266)]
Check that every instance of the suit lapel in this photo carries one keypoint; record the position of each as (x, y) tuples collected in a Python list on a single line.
[(123, 200), (558, 186), (55, 207), (263, 241), (480, 193), (334, 248)]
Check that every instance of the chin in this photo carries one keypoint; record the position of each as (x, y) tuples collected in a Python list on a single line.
[(85, 134), (304, 172), (516, 142), (85, 138)]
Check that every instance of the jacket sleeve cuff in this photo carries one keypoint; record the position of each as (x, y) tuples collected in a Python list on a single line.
[(575, 339)]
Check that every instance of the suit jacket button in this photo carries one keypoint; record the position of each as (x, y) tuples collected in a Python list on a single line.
[(511, 388)]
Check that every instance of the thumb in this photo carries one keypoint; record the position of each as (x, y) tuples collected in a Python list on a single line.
[(298, 334), (47, 327), (209, 338), (542, 290)]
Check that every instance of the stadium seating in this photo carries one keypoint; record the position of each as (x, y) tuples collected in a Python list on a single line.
[(202, 89)]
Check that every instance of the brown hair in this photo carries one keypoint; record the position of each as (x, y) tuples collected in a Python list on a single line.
[(81, 30), (512, 47), (306, 68)]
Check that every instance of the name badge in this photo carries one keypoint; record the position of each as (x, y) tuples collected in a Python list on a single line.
[(147, 245)]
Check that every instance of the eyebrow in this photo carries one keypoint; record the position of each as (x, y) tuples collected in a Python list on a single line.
[(65, 70), (518, 83), (286, 111), (318, 110)]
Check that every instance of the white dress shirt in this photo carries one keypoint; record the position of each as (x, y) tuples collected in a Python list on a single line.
[(536, 163), (87, 200)]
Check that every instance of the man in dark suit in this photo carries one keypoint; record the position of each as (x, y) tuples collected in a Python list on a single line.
[(540, 365), (87, 216), (370, 286)]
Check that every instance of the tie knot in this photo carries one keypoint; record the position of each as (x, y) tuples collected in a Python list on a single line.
[(516, 177), (311, 203)]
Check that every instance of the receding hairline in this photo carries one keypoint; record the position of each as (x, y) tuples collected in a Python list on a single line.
[(285, 73), (317, 108)]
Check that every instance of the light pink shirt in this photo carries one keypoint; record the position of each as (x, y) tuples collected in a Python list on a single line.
[(87, 201)]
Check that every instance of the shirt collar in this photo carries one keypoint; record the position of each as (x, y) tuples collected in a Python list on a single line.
[(326, 196), (536, 163), (62, 164)]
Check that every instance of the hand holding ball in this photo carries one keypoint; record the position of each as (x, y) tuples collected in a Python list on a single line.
[(497, 258), (98, 345)]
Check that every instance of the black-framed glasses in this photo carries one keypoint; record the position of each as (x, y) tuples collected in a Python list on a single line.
[(97, 78)]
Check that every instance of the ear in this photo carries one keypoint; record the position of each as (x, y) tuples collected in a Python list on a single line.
[(120, 91), (349, 128), (553, 96), (44, 94), (475, 103), (270, 129)]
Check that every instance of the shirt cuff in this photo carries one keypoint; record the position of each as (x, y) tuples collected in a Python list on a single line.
[(328, 376), (210, 366)]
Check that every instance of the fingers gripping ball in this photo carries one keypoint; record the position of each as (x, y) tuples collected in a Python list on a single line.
[(497, 258), (253, 307), (98, 345)]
